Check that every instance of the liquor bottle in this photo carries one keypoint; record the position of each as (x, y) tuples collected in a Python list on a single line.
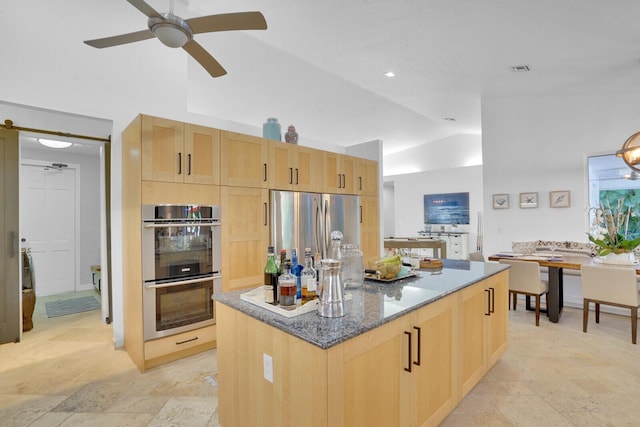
[(271, 278), (283, 259), (296, 268), (287, 284), (308, 278)]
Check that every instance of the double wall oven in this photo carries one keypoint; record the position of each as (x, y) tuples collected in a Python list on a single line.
[(181, 267)]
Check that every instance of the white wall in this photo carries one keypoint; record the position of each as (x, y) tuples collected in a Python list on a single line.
[(409, 189), (540, 144)]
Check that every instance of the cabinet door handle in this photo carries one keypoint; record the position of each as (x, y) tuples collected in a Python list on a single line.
[(264, 168), (360, 182), (297, 176), (339, 181), (409, 352), (290, 175), (488, 313), (266, 214), (186, 341), (419, 345), (179, 163), (360, 214), (492, 307), (189, 162)]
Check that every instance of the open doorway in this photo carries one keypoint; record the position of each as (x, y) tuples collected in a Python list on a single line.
[(60, 224)]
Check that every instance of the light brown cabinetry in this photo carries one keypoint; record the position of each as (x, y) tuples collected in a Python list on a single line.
[(339, 173), (408, 372), (246, 160), (178, 152), (370, 229), (296, 167), (483, 328), (137, 192), (400, 374), (245, 236), (367, 177)]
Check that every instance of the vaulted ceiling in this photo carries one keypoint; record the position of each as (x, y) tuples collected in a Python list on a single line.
[(321, 65)]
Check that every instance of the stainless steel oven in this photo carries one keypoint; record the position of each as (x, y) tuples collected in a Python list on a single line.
[(181, 267)]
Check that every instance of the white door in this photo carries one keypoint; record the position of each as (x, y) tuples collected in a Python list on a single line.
[(10, 289), (48, 225)]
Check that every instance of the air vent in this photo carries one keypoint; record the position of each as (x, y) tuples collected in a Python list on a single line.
[(520, 69)]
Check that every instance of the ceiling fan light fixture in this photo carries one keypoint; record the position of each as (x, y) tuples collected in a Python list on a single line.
[(630, 152), (172, 31), (52, 143)]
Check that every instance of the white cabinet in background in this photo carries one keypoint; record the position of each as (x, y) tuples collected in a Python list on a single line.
[(457, 244)]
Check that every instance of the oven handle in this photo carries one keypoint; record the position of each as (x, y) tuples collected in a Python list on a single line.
[(181, 282), (183, 224)]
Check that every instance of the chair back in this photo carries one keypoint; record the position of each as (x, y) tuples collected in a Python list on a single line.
[(524, 276), (476, 256), (611, 284)]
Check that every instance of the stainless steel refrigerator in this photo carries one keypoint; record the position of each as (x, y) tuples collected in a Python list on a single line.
[(306, 220)]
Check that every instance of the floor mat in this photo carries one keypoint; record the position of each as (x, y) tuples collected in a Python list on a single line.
[(71, 306)]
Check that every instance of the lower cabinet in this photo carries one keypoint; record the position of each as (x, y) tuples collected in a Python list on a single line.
[(483, 328), (167, 349), (400, 374), (409, 372)]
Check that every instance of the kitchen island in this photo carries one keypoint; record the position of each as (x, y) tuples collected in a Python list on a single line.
[(405, 354)]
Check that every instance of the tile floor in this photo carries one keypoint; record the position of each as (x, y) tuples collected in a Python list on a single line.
[(65, 372)]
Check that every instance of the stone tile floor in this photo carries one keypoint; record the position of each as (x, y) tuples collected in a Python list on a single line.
[(65, 372)]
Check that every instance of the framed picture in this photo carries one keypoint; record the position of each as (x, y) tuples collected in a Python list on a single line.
[(528, 200), (559, 199), (500, 201)]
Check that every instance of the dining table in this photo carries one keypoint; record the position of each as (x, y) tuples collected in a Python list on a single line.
[(555, 263)]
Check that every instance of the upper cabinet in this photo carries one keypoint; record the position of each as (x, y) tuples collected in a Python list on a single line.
[(339, 173), (296, 168), (367, 177), (247, 160), (177, 152)]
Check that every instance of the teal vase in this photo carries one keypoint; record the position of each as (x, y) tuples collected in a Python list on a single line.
[(271, 129)]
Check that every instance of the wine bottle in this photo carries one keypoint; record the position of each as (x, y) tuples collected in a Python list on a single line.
[(271, 278)]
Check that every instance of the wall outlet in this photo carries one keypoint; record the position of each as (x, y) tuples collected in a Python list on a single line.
[(267, 362)]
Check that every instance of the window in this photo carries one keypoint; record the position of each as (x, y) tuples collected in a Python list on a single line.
[(611, 180)]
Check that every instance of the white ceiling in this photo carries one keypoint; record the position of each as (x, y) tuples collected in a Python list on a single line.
[(320, 65)]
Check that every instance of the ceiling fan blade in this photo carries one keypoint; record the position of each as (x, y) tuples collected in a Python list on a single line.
[(121, 39), (143, 7), (228, 22), (198, 53)]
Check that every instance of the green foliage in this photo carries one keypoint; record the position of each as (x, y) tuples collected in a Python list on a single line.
[(631, 199)]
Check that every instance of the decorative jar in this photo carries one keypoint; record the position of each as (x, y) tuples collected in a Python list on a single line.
[(271, 129)]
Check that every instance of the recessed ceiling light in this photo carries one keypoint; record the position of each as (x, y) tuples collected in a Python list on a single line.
[(520, 68), (390, 74), (52, 143)]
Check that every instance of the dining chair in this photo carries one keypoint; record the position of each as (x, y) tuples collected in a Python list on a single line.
[(524, 278), (607, 285)]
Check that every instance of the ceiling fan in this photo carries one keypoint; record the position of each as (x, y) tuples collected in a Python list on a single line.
[(173, 31)]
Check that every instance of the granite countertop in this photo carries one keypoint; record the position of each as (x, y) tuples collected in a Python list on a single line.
[(372, 304)]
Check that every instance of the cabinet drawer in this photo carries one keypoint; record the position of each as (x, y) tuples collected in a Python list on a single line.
[(167, 345)]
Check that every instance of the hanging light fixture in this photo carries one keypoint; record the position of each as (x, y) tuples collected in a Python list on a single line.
[(630, 152)]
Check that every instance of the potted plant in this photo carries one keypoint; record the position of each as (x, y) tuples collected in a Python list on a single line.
[(609, 233)]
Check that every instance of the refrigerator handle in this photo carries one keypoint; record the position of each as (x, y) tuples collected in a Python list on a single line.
[(318, 233)]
